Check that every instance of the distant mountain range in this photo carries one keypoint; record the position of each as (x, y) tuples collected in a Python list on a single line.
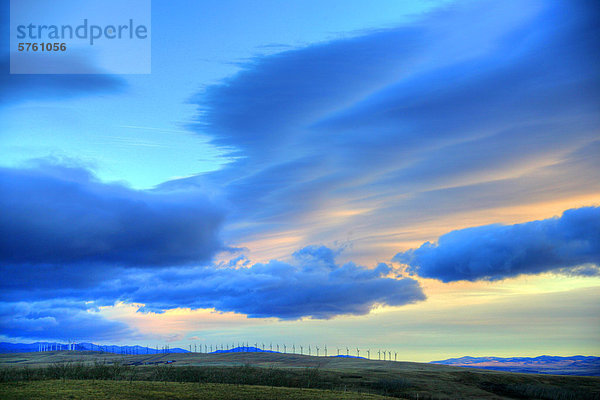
[(347, 356), (574, 365), (245, 349), (54, 346)]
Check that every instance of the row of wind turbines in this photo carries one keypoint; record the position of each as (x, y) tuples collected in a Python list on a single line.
[(70, 346), (242, 347), (385, 355)]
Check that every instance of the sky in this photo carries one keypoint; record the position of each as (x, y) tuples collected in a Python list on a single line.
[(421, 177)]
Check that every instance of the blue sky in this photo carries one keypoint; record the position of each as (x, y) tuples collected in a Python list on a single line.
[(294, 172)]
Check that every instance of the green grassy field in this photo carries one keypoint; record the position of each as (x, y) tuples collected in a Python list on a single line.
[(141, 390), (398, 379)]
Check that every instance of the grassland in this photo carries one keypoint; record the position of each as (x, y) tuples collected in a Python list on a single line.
[(140, 390), (268, 370)]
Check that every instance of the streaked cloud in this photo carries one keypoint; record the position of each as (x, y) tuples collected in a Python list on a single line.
[(479, 106)]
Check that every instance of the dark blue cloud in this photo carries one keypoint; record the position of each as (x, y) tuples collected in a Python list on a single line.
[(59, 320), (311, 285), (569, 245), (56, 216), (15, 88), (21, 87)]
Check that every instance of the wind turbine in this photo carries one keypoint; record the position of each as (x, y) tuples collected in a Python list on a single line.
[(325, 350), (284, 348), (379, 355), (338, 351), (301, 349), (271, 346), (278, 348), (309, 349), (357, 352), (395, 356), (347, 351), (317, 350), (368, 354)]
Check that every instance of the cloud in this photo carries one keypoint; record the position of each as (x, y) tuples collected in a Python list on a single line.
[(22, 87), (311, 285), (65, 235), (59, 216), (568, 244), (17, 87), (478, 106), (405, 124), (59, 320)]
